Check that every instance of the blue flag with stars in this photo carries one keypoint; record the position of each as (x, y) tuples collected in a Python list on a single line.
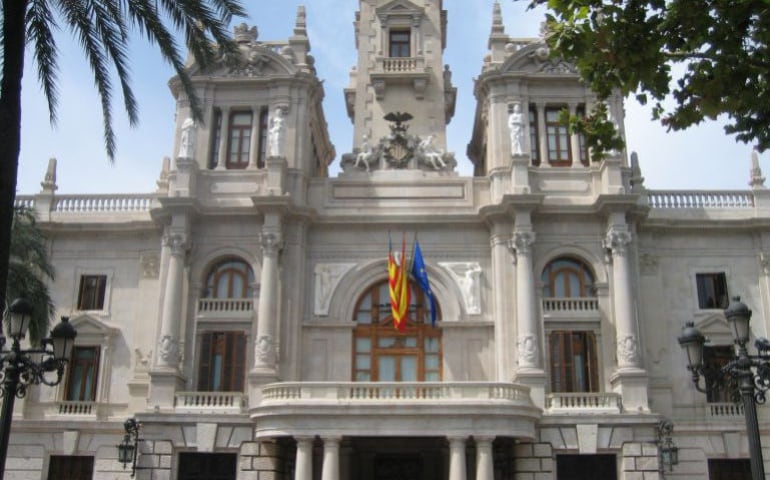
[(421, 277)]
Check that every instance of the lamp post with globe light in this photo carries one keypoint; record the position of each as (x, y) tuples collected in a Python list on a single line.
[(746, 376), (20, 368)]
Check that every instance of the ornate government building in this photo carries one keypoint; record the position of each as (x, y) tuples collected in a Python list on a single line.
[(240, 312)]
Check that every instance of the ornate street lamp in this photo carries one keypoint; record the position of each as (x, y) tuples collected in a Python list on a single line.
[(129, 447), (746, 376), (21, 368), (669, 453)]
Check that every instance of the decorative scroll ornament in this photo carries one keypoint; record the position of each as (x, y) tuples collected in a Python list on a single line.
[(264, 350), (617, 240), (270, 244), (527, 345), (628, 350), (177, 243), (168, 350)]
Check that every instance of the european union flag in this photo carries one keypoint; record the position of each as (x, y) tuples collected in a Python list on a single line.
[(421, 277)]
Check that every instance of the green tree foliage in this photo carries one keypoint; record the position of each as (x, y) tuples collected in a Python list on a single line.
[(30, 270), (694, 59), (103, 29)]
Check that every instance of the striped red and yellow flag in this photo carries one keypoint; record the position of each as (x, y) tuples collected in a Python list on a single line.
[(398, 284)]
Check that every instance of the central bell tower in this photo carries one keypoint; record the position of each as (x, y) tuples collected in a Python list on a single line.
[(400, 47)]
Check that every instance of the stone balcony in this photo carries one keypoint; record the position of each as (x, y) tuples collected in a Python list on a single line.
[(583, 403), (209, 402), (395, 409), (400, 70)]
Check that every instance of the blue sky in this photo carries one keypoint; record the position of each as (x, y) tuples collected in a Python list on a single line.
[(700, 158)]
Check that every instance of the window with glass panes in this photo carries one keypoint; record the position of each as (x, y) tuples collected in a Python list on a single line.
[(384, 354), (567, 278), (222, 362), (83, 370), (399, 43), (558, 139), (572, 357), (91, 292), (231, 278), (712, 290), (239, 142), (534, 142)]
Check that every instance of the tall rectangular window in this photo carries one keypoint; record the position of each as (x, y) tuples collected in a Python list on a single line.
[(712, 290), (558, 139), (70, 467), (83, 371), (573, 361), (216, 138), (400, 43), (263, 126), (239, 140), (714, 358), (91, 292), (222, 362), (534, 141)]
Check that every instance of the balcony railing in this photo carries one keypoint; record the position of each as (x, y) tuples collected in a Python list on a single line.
[(701, 199), (725, 411), (209, 402), (372, 392), (75, 408), (583, 403), (400, 64), (589, 304), (225, 305), (103, 203)]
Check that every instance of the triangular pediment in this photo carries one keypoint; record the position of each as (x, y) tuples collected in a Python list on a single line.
[(91, 329), (715, 328), (535, 58), (399, 7)]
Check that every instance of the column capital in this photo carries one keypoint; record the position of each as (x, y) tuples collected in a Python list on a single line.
[(521, 242), (271, 244), (617, 239), (177, 243)]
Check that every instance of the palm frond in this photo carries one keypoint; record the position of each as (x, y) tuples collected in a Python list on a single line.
[(40, 23)]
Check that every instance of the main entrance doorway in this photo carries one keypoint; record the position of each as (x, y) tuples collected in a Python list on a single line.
[(586, 467), (399, 458)]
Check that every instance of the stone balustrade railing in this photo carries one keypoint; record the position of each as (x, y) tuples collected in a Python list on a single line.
[(225, 305), (726, 410), (110, 203), (75, 408), (400, 64), (574, 403), (411, 392), (587, 304), (700, 199), (26, 201), (216, 402)]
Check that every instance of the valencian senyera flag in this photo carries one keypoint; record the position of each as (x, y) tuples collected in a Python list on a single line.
[(421, 278), (398, 283)]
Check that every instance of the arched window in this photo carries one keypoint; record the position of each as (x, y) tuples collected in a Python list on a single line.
[(384, 354), (231, 278), (567, 277)]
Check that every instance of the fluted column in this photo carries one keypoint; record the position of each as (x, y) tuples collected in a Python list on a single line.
[(617, 241), (266, 342), (224, 136), (485, 469), (501, 288), (457, 458), (303, 464), (526, 309), (168, 342), (331, 465)]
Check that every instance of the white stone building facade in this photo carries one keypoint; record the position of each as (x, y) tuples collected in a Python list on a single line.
[(240, 312)]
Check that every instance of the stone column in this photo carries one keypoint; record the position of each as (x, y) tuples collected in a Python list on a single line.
[(485, 469), (303, 464), (168, 342), (526, 309), (254, 141), (501, 289), (542, 136), (457, 458), (224, 136), (331, 465), (574, 140), (265, 357), (617, 241)]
